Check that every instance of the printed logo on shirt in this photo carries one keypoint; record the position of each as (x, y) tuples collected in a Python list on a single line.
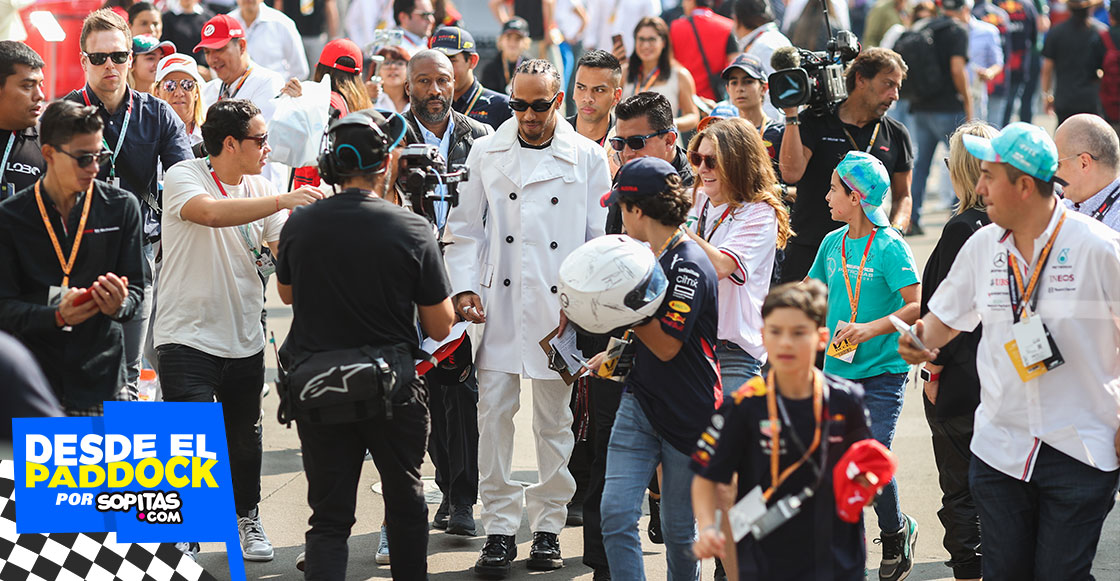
[(684, 292), (755, 387), (101, 230), (1000, 259), (680, 307), (673, 320), (1063, 256), (23, 168), (709, 439)]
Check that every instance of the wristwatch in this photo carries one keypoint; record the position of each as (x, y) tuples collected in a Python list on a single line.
[(927, 376), (793, 120)]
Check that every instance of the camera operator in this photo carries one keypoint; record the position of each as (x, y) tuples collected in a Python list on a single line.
[(815, 142), (368, 311)]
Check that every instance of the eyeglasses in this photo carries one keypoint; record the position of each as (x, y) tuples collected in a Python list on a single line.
[(85, 159), (1091, 156), (540, 106), (699, 160), (394, 63), (260, 139), (635, 142), (98, 58), (647, 39), (425, 14), (169, 85)]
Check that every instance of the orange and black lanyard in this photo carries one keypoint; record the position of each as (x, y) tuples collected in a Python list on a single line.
[(226, 94), (1019, 296), (646, 84), (704, 219), (67, 264), (671, 242), (853, 298), (874, 134), (773, 404)]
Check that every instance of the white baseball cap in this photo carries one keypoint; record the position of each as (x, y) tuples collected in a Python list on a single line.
[(178, 62)]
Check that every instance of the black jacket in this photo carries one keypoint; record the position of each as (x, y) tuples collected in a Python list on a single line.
[(466, 131)]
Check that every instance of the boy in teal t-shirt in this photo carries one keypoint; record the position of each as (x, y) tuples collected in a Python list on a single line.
[(880, 279)]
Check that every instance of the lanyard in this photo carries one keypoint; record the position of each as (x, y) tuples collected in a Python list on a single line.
[(477, 94), (853, 299), (777, 476), (874, 134), (1020, 297), (7, 152), (120, 138), (761, 30), (704, 219), (1097, 214), (67, 264), (244, 228), (671, 242), (225, 94), (646, 84)]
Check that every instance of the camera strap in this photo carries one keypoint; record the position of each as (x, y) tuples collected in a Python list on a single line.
[(874, 135), (775, 406)]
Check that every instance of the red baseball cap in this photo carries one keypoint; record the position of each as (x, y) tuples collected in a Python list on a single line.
[(339, 48), (219, 30), (864, 457)]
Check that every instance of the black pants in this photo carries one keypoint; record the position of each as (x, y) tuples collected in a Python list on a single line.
[(187, 374), (583, 453), (951, 439), (797, 262), (453, 444), (332, 460), (605, 395)]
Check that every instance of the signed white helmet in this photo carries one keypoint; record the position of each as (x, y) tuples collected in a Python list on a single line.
[(611, 282)]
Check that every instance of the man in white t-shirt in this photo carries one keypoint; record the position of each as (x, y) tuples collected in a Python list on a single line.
[(218, 213)]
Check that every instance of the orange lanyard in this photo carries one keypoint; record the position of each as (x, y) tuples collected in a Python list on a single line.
[(225, 94), (778, 477), (650, 80), (1013, 264), (853, 299), (671, 242), (66, 264)]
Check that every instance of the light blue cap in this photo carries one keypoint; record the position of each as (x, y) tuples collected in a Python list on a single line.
[(867, 176), (1027, 148)]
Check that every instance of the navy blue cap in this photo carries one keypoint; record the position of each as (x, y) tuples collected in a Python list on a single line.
[(748, 64), (451, 40), (639, 178)]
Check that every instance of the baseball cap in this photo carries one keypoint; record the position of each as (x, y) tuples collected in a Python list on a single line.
[(867, 176), (178, 63), (516, 24), (953, 4), (639, 178), (1023, 146), (452, 40), (748, 64), (144, 44), (722, 110), (863, 457), (339, 48), (218, 31)]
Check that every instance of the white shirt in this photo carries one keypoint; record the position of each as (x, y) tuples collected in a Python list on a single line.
[(761, 44), (366, 16), (1111, 217), (1073, 408), (275, 43), (444, 144), (412, 43), (567, 20), (261, 87), (749, 235), (210, 296)]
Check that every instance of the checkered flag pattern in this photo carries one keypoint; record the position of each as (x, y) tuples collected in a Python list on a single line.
[(82, 556)]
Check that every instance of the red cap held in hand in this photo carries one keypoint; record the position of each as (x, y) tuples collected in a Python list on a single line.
[(867, 457)]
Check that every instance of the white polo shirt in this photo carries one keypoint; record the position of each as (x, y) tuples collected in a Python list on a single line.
[(1074, 408), (749, 236), (275, 43)]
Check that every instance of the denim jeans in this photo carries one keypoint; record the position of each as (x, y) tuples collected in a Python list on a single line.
[(187, 374), (883, 395), (1047, 528), (736, 366), (929, 128), (632, 458), (136, 330)]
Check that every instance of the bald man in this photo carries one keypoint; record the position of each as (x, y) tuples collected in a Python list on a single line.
[(1089, 160)]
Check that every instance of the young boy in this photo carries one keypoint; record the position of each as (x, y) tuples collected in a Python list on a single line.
[(789, 406), (870, 273)]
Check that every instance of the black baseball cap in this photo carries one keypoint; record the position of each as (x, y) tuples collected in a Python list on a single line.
[(452, 40), (640, 178), (516, 24), (748, 64)]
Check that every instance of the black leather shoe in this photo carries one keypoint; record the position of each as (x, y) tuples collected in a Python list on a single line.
[(461, 521), (575, 515), (545, 553), (601, 575), (497, 555), (440, 520)]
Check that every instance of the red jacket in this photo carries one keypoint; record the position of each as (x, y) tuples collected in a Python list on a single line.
[(717, 32)]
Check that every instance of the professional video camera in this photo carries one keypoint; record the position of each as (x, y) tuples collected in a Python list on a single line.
[(810, 78), (422, 172)]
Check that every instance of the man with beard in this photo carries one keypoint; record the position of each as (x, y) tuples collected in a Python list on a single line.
[(453, 388), (471, 98)]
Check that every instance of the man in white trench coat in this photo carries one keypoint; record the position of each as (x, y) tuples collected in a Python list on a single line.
[(533, 197)]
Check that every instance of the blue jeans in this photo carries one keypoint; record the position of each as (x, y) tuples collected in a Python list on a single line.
[(632, 458), (928, 128), (883, 395), (1047, 528), (736, 366)]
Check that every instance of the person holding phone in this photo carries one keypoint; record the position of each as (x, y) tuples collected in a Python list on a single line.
[(651, 67)]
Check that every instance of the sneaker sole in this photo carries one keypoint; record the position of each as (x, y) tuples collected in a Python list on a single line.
[(544, 564), (462, 531), (257, 558), (439, 526), (382, 559)]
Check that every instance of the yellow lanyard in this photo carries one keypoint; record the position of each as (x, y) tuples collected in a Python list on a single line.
[(646, 84), (853, 299), (66, 264), (778, 477), (1032, 285), (874, 134), (225, 94)]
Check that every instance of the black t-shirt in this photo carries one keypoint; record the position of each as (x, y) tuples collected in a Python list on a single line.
[(1077, 51), (494, 78), (358, 265), (25, 162), (950, 39), (533, 12), (772, 139), (741, 432), (311, 24), (678, 396), (185, 30)]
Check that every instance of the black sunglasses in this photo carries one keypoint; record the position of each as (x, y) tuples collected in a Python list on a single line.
[(260, 139), (169, 85), (539, 106), (98, 58), (635, 142), (86, 159)]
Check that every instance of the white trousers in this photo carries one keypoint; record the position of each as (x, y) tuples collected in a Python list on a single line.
[(499, 398)]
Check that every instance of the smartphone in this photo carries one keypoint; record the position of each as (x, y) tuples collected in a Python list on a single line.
[(83, 298), (616, 40), (909, 332)]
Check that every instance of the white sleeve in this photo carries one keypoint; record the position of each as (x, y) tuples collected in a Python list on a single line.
[(954, 301), (467, 228), (598, 183), (181, 183), (752, 241), (1109, 268), (297, 56)]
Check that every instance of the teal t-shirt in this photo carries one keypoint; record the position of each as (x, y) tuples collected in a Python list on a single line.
[(890, 267)]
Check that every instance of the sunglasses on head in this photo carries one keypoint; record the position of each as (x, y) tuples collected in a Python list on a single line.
[(169, 85), (635, 142), (98, 58), (260, 139), (699, 160), (540, 106), (85, 159)]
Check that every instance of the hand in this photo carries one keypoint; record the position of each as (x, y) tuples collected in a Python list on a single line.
[(373, 88), (300, 197), (1116, 443), (790, 111), (855, 333), (1049, 100), (469, 306), (912, 354), (619, 52), (867, 480), (292, 88), (563, 323), (930, 389), (74, 315), (709, 543), (596, 362), (109, 293)]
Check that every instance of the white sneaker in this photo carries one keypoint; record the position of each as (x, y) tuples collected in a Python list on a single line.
[(382, 557), (255, 546), (189, 549), (300, 560)]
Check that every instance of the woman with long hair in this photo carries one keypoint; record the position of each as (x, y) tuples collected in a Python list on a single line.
[(651, 67), (147, 51), (145, 18), (393, 75), (178, 83)]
